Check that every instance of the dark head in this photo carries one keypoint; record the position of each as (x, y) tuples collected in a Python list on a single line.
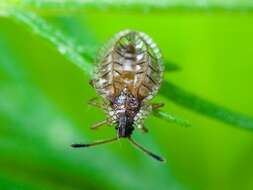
[(125, 107), (125, 125)]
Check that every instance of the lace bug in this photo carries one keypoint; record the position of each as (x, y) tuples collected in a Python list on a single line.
[(127, 76)]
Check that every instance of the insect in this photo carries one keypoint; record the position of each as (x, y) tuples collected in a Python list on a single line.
[(127, 76)]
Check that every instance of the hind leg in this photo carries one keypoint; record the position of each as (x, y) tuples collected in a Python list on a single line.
[(156, 106)]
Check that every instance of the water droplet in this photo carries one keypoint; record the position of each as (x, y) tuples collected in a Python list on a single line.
[(62, 49)]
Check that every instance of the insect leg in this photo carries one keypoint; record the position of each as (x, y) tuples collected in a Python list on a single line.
[(99, 124), (91, 82), (94, 102), (143, 128), (156, 106)]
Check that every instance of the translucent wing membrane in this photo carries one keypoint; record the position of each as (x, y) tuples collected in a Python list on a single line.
[(130, 60)]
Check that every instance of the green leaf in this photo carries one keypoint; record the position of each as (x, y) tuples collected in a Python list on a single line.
[(204, 107), (172, 118), (137, 5), (63, 45)]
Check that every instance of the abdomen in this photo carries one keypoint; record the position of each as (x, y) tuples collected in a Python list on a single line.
[(130, 60)]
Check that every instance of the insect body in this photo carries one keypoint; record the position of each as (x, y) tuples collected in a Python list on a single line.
[(127, 76)]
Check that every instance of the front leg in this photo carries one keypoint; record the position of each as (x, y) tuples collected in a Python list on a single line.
[(91, 82), (143, 129), (145, 110)]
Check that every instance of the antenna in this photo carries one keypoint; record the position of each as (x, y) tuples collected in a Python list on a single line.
[(156, 157), (94, 143)]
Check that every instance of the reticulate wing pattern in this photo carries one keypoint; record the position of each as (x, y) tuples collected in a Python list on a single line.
[(130, 60)]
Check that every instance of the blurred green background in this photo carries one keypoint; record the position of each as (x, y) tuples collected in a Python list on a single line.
[(43, 98)]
